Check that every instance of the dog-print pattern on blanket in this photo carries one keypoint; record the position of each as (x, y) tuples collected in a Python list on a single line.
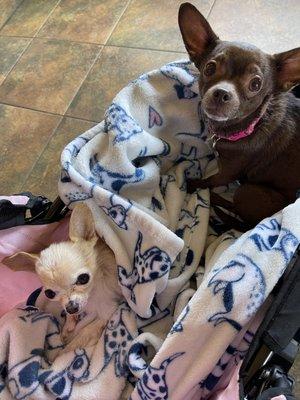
[(73, 197), (117, 211), (64, 175), (24, 378), (135, 359), (154, 118), (121, 123), (156, 315), (225, 281), (194, 162), (117, 340), (147, 266), (233, 354), (201, 134), (178, 326), (110, 180), (271, 236), (189, 219), (74, 147), (185, 77), (33, 315), (164, 182), (153, 384)]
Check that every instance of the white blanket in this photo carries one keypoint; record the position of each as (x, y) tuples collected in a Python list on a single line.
[(132, 170)]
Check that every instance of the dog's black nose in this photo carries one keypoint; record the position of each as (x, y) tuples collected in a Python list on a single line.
[(72, 307), (222, 95)]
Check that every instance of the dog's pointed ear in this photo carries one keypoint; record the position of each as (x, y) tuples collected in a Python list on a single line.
[(82, 226), (21, 261), (288, 68), (196, 32)]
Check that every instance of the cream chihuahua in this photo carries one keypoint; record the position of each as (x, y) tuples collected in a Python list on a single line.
[(81, 274)]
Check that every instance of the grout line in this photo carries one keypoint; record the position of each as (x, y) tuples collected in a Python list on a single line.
[(117, 22), (47, 112), (40, 154), (143, 48), (84, 78), (2, 26), (29, 43), (48, 16), (17, 60), (97, 44), (210, 10)]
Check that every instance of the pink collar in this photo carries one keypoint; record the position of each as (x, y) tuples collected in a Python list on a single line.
[(233, 137)]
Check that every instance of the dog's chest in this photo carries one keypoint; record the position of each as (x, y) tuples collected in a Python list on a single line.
[(282, 173)]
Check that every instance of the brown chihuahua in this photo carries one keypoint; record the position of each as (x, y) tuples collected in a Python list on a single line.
[(252, 118)]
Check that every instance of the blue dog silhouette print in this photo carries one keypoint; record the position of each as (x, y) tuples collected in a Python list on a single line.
[(117, 340), (226, 281), (189, 219), (185, 77), (121, 123), (270, 235), (78, 195), (117, 211), (61, 383), (113, 181), (33, 315), (25, 377), (156, 315), (232, 353), (147, 266), (178, 326), (164, 182), (153, 384)]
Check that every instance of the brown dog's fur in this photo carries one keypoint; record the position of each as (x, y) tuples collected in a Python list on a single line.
[(59, 267), (267, 163)]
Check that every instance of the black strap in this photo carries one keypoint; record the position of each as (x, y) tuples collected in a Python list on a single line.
[(38, 210)]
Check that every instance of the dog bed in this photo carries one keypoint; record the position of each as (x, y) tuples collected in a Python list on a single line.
[(188, 321)]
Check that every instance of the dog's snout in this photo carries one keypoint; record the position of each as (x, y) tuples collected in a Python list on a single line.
[(222, 95), (72, 307)]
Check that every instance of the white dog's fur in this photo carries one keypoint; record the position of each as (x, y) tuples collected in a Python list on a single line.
[(59, 266)]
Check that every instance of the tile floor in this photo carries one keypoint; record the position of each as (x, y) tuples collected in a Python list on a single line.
[(62, 62)]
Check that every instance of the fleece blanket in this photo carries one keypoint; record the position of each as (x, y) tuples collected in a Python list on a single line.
[(187, 320)]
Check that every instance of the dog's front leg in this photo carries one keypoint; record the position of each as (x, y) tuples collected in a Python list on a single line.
[(87, 336), (69, 327), (222, 178)]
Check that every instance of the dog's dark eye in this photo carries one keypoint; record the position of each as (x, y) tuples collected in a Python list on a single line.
[(255, 84), (82, 279), (210, 68), (50, 294)]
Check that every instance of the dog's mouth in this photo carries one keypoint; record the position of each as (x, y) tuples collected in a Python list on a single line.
[(214, 116), (219, 115)]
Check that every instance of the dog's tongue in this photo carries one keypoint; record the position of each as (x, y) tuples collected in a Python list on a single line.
[(233, 137)]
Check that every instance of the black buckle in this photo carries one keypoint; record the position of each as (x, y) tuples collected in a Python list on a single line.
[(38, 210), (268, 377)]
